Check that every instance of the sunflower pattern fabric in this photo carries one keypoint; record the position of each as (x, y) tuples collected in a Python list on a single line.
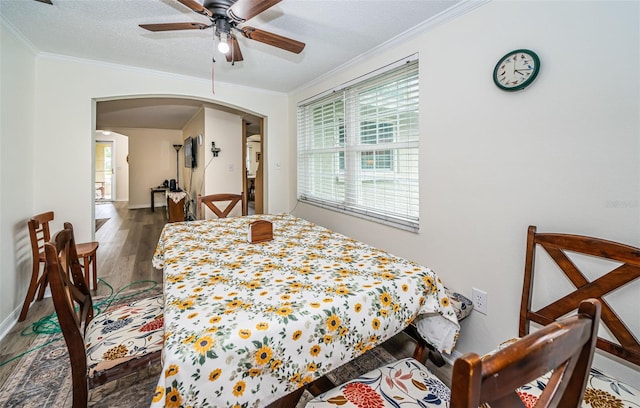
[(405, 383), (246, 324)]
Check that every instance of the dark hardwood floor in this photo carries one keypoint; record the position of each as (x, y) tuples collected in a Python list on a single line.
[(127, 243)]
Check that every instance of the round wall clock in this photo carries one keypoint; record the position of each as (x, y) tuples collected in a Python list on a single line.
[(516, 70)]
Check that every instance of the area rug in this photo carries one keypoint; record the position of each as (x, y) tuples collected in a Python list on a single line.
[(100, 222), (42, 378), (372, 359)]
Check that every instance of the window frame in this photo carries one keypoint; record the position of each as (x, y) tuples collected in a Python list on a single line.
[(343, 184)]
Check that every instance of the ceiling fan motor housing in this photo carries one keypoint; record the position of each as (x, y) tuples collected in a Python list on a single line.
[(218, 7), (223, 26)]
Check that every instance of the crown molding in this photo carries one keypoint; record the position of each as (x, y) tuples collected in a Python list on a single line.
[(458, 10), (9, 27)]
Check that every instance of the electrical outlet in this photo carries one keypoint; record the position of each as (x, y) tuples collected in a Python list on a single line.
[(479, 299)]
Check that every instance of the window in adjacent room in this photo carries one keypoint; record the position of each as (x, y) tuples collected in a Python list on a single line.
[(358, 147)]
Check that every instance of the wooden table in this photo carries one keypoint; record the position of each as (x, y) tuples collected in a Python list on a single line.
[(251, 323), (155, 190)]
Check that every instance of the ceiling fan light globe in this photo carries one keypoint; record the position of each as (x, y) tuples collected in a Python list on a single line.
[(223, 47)]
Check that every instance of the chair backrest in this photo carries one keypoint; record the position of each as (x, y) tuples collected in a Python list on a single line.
[(39, 233), (211, 200), (565, 346), (562, 248), (72, 302)]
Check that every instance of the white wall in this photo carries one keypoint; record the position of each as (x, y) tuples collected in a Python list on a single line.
[(121, 166), (121, 144), (17, 173), (193, 178), (562, 155), (152, 159), (224, 173)]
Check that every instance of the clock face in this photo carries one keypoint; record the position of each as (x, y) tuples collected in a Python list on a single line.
[(516, 70)]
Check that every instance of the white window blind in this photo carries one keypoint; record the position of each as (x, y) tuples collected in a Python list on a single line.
[(358, 147)]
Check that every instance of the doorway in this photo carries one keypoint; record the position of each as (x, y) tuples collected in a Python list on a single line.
[(252, 155), (104, 177), (142, 117)]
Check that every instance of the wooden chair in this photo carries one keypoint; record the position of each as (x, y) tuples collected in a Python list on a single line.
[(39, 234), (598, 269), (211, 200), (98, 356), (625, 269), (565, 346)]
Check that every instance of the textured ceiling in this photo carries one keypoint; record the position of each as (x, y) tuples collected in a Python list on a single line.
[(334, 31)]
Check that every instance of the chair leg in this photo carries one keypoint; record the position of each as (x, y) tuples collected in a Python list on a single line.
[(43, 283), (420, 352), (94, 260), (31, 292), (86, 260), (80, 388)]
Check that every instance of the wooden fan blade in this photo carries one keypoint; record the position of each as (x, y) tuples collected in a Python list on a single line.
[(45, 1), (273, 39), (243, 10), (234, 53), (174, 26), (197, 7)]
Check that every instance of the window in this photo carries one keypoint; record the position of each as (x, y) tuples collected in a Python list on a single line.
[(358, 147), (373, 133)]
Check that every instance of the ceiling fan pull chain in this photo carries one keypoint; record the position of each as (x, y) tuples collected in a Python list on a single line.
[(213, 63), (213, 90), (213, 51)]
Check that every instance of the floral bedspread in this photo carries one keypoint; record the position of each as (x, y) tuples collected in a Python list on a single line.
[(246, 324)]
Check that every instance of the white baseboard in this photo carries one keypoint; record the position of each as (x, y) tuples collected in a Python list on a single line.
[(9, 322), (139, 206), (12, 319)]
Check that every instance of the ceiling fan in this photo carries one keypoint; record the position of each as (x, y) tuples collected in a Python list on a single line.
[(225, 15)]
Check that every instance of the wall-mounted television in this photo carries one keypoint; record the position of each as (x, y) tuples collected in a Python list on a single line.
[(190, 152)]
